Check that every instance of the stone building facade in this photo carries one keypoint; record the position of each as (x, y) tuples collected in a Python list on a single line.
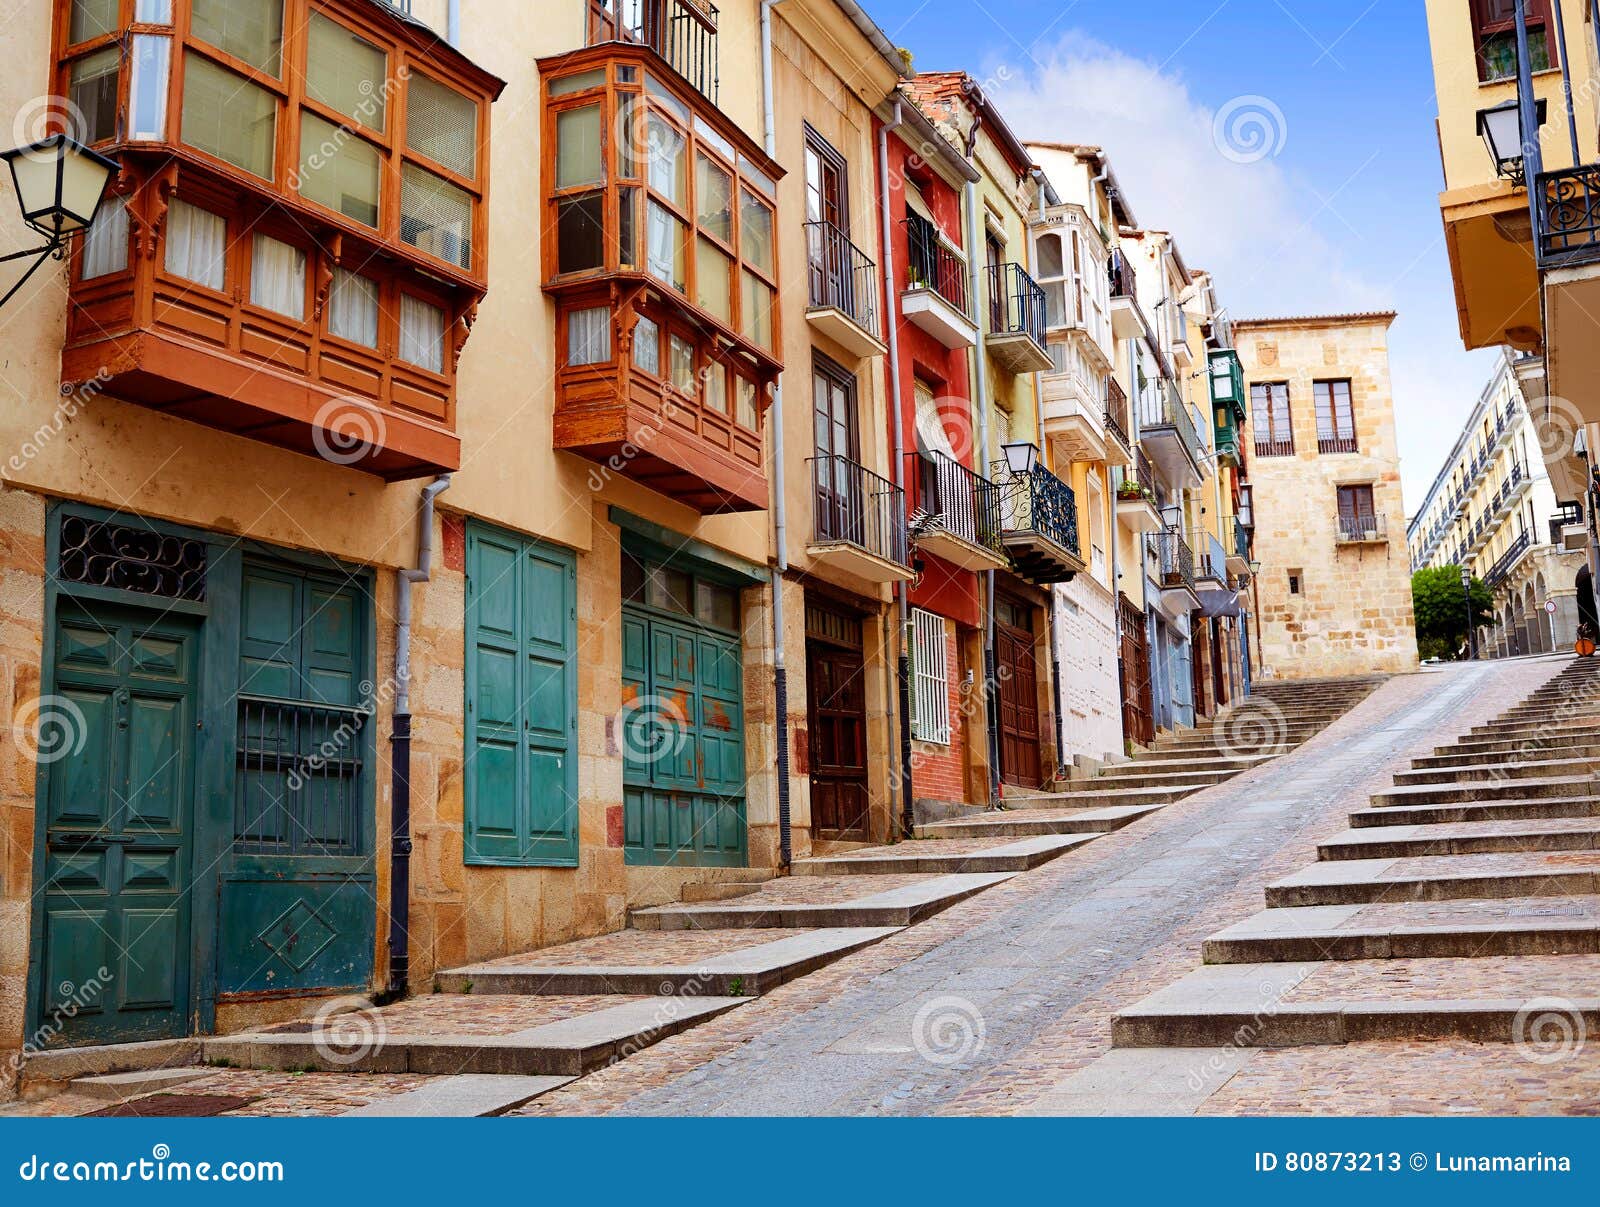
[(1334, 593)]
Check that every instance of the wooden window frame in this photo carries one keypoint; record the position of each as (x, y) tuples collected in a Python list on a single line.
[(1337, 437), (1272, 442), (1486, 27)]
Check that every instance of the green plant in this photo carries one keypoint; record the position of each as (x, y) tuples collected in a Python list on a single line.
[(1441, 611), (736, 987)]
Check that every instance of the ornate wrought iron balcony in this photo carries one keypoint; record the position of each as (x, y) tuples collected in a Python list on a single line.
[(1039, 524), (1569, 216), (1508, 560)]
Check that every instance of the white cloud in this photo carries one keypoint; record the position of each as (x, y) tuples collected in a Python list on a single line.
[(1277, 244)]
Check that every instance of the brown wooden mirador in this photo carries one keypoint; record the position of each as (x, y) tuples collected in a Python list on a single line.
[(255, 133)]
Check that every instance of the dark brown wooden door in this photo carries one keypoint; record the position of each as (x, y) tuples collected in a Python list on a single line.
[(1199, 651), (1018, 675), (836, 703), (1138, 713)]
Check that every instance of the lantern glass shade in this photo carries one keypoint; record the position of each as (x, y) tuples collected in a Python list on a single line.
[(59, 184), (1501, 131), (1021, 456)]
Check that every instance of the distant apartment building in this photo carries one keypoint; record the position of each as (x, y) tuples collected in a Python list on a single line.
[(1492, 509), (1334, 595)]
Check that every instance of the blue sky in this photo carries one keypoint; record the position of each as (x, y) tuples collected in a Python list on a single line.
[(1342, 213)]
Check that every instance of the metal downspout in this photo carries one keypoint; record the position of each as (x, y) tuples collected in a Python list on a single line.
[(891, 315), (780, 525), (400, 747), (452, 23)]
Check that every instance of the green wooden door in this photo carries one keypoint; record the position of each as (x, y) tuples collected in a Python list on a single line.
[(683, 739), (522, 702), (119, 814)]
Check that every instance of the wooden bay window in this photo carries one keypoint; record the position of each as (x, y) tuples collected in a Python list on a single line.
[(661, 255), (303, 194)]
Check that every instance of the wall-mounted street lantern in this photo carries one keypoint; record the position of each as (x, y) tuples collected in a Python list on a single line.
[(60, 184), (1501, 131), (1021, 456)]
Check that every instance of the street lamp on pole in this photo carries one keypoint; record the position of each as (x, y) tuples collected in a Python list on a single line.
[(1466, 591)]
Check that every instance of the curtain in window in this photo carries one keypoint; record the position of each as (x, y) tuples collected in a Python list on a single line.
[(421, 334), (105, 243), (647, 346), (353, 308), (589, 336), (278, 277), (197, 244)]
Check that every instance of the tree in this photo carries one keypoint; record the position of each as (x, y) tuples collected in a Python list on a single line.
[(1441, 611)]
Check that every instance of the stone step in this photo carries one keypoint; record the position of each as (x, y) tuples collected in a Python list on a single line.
[(1489, 810), (117, 1087), (663, 963), (66, 1064), (1548, 739), (1412, 929), (1439, 878), (465, 1096), (1527, 752), (1298, 1003), (1104, 798), (1152, 778), (1487, 790), (1548, 768), (813, 902), (1464, 838), (1204, 754), (715, 891), (1145, 764), (1533, 725), (580, 1036), (937, 857), (1008, 823)]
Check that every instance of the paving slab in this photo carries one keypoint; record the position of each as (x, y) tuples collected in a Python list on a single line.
[(466, 1096), (118, 1086), (1464, 838), (1018, 823), (1387, 930), (826, 901), (453, 1034), (934, 856), (1142, 1081), (1439, 878), (727, 963)]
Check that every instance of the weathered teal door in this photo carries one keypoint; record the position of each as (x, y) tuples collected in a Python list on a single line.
[(522, 701), (683, 743), (119, 806)]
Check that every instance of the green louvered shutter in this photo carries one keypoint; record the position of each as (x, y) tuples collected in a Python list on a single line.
[(522, 766)]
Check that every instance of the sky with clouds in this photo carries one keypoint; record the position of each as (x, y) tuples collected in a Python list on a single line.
[(1319, 194)]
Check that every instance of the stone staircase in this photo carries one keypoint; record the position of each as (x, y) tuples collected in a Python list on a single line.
[(1462, 903)]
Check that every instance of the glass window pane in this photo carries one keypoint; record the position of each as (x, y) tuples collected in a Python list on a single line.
[(668, 169), (92, 88), (1050, 262), (345, 72), (105, 243), (757, 310), (153, 12), (647, 346), (713, 199), (578, 82), (627, 228), (580, 233), (745, 411), (589, 336), (755, 232), (436, 216), (251, 30), (680, 364), (278, 276), (227, 116), (713, 280), (580, 158), (661, 96), (91, 18), (353, 308), (338, 170), (665, 253), (148, 90), (421, 333), (717, 605), (671, 590), (197, 244), (717, 387), (627, 136), (442, 124)]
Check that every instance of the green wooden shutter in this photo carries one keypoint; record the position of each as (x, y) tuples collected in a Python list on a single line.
[(522, 766)]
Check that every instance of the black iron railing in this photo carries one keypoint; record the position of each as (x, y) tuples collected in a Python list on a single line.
[(859, 507), (683, 32), (1162, 408), (1336, 444), (1241, 538), (931, 264), (1174, 558), (1038, 501), (842, 276), (1123, 284), (1569, 215), (1016, 303), (1508, 560), (1355, 528), (944, 494), (1267, 446), (1117, 421), (299, 786), (1567, 514)]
